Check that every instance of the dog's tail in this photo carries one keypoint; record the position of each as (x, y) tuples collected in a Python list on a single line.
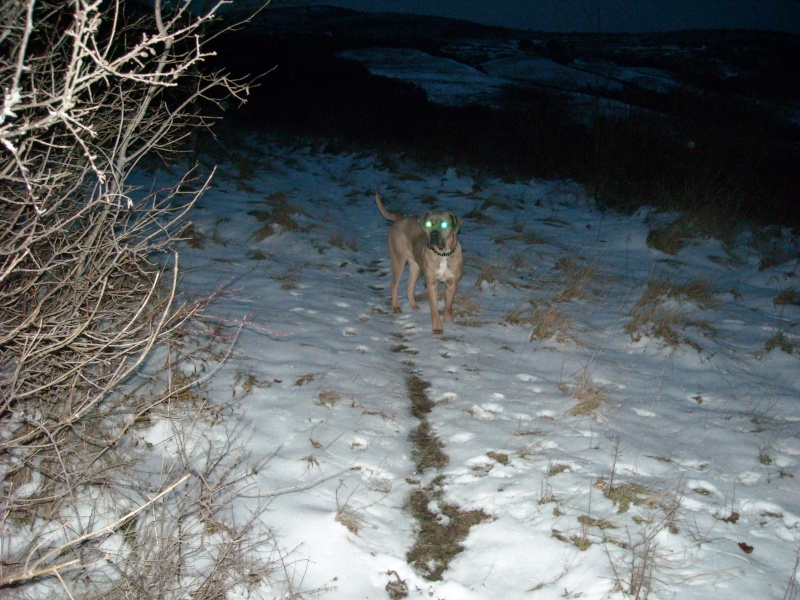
[(389, 215)]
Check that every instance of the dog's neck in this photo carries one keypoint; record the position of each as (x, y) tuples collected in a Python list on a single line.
[(444, 254)]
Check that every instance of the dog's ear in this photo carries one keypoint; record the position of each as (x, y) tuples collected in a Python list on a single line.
[(456, 221)]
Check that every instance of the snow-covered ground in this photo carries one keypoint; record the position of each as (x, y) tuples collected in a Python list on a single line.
[(606, 459), (453, 83)]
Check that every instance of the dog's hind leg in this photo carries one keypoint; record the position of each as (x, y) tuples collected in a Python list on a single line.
[(413, 275), (398, 264)]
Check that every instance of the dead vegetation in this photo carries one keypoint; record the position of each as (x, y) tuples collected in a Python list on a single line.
[(278, 215), (589, 396), (442, 527), (664, 310), (97, 346)]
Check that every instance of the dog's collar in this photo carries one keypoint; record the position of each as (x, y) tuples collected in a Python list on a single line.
[(445, 254)]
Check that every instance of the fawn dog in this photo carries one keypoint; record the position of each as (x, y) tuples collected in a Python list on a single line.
[(429, 245)]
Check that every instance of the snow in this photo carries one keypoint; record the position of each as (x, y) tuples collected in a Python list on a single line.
[(444, 80), (707, 433), (452, 83)]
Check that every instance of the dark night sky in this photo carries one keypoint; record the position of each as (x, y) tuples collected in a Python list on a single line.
[(611, 15)]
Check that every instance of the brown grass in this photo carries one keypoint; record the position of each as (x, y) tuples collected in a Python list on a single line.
[(787, 297), (428, 451), (277, 212), (578, 279), (588, 395), (440, 533), (661, 311)]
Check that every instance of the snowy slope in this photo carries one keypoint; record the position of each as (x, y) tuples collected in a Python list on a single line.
[(680, 479)]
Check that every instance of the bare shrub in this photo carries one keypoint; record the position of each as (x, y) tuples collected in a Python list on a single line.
[(88, 291)]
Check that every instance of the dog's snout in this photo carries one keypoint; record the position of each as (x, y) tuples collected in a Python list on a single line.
[(436, 238)]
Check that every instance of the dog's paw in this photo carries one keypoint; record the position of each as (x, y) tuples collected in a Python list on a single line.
[(438, 331), (396, 309)]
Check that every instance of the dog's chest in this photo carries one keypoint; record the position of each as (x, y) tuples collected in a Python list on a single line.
[(443, 270)]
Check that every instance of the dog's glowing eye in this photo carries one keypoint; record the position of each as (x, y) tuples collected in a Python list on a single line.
[(444, 225), (428, 224)]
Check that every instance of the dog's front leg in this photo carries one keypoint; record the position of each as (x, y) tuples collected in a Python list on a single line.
[(433, 299), (451, 285)]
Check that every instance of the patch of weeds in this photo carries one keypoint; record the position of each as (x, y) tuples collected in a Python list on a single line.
[(216, 237), (581, 541), (492, 273), (186, 393), (788, 297), (248, 381), (771, 245), (337, 240), (311, 461), (128, 530), (660, 311), (328, 398), (577, 278), (288, 280), (441, 529), (466, 306), (429, 200), (555, 469), (548, 323), (763, 457), (588, 395), (499, 457), (528, 238), (495, 201), (417, 388), (398, 588), (304, 379), (346, 518), (194, 238), (428, 452), (256, 254), (780, 340), (476, 215), (696, 224), (626, 494), (279, 216), (599, 523), (673, 237)]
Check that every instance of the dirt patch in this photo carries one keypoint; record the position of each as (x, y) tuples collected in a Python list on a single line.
[(442, 528)]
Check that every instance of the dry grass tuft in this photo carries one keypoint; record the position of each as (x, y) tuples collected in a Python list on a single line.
[(528, 238), (577, 278), (466, 306), (782, 341), (548, 323), (346, 518), (661, 311), (493, 273), (788, 297), (278, 217), (588, 395)]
